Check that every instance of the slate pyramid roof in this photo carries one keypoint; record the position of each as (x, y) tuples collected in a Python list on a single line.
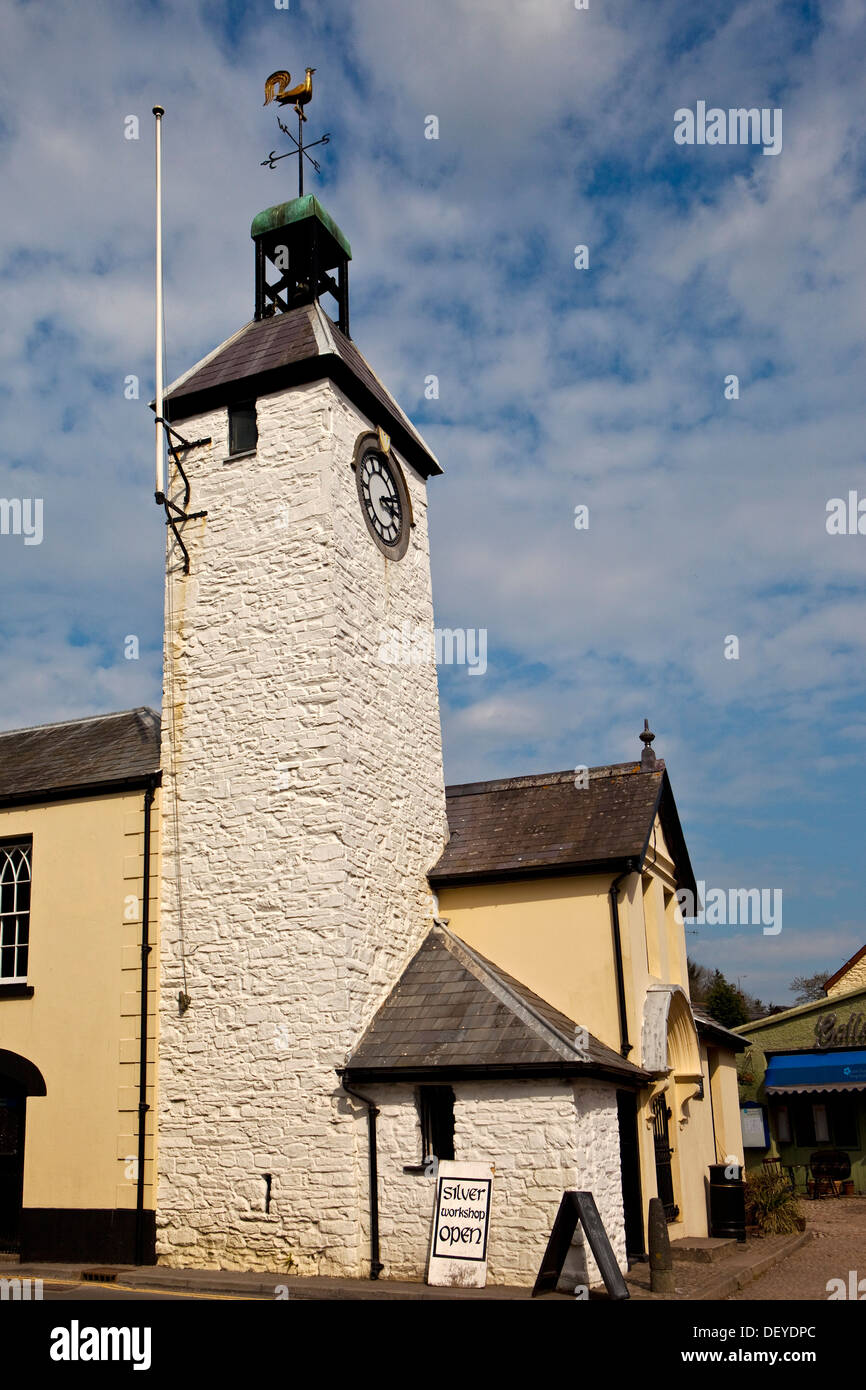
[(286, 349), (454, 1013)]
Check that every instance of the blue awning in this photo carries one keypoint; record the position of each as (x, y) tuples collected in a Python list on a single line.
[(816, 1071)]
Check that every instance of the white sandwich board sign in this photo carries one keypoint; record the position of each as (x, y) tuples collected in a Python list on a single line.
[(461, 1224)]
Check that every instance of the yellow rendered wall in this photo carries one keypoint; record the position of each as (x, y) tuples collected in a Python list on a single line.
[(695, 1151), (726, 1105), (82, 1025), (553, 934), (671, 931)]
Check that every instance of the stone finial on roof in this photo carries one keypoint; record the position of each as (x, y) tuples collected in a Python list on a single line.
[(647, 757)]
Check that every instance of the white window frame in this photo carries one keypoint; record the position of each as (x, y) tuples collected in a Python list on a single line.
[(6, 850)]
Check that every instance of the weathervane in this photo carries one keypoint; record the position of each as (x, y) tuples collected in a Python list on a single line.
[(277, 88)]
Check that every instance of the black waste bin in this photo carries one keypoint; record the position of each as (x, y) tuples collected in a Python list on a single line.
[(727, 1203)]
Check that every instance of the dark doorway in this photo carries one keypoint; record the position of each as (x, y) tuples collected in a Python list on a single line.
[(629, 1162), (12, 1103), (664, 1175)]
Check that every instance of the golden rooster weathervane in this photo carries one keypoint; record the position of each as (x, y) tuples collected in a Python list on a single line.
[(277, 89)]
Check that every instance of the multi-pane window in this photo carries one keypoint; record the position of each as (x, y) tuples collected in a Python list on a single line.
[(14, 910)]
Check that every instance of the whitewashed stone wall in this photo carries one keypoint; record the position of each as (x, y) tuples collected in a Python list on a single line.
[(543, 1136), (311, 804)]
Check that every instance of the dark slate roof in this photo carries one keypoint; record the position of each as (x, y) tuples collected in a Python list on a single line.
[(106, 750), (543, 824), (301, 345), (453, 1011), (710, 1028)]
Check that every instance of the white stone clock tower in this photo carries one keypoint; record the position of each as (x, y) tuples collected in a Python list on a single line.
[(303, 791)]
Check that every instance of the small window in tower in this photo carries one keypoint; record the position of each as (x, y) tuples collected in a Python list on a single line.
[(243, 430), (436, 1105)]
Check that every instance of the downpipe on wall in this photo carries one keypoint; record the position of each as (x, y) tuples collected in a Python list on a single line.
[(376, 1265), (613, 893), (149, 795)]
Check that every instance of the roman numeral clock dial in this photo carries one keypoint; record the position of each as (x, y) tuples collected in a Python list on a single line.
[(381, 501), (383, 497)]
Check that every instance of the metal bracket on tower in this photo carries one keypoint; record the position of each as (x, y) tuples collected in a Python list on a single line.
[(176, 516)]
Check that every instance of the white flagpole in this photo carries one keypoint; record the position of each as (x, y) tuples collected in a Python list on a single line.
[(159, 112)]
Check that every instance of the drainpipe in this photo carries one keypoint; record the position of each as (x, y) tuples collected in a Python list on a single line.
[(613, 891), (376, 1265), (142, 1055)]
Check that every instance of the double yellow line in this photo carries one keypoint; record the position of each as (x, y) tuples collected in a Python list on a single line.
[(173, 1293)]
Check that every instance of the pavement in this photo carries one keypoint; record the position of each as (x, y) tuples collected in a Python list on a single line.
[(735, 1269), (773, 1267), (144, 1280), (837, 1250)]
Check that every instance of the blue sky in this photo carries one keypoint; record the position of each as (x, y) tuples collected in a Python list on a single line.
[(558, 387)]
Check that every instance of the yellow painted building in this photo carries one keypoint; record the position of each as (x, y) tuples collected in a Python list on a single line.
[(74, 801), (569, 884)]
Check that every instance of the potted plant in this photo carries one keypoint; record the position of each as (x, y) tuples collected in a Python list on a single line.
[(772, 1206)]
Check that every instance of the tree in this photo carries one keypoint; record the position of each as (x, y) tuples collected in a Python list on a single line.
[(700, 980), (808, 988), (725, 1003)]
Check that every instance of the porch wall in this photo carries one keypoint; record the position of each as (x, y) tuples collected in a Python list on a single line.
[(543, 1138)]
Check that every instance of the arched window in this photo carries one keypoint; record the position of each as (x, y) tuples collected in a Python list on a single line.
[(14, 910)]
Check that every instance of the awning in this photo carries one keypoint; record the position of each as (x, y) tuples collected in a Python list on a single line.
[(800, 1072)]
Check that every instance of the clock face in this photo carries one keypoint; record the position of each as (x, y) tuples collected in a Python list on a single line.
[(385, 503)]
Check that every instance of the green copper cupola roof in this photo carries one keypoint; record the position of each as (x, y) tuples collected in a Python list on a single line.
[(296, 211), (301, 254)]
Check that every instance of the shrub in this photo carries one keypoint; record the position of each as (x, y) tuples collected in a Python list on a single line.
[(772, 1205)]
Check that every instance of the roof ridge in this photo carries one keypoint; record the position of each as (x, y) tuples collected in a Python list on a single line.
[(529, 779), (83, 719), (325, 324), (477, 963)]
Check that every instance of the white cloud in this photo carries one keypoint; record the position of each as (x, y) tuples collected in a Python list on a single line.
[(556, 386)]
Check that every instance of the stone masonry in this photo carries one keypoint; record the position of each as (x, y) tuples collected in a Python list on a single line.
[(303, 800), (543, 1136)]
